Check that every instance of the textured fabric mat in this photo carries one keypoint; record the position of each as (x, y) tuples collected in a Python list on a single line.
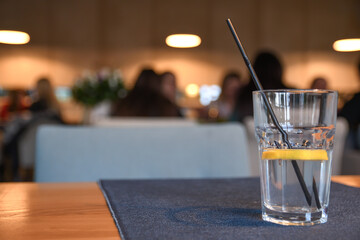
[(216, 209)]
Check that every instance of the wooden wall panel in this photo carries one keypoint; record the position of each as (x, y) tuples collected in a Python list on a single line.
[(70, 36)]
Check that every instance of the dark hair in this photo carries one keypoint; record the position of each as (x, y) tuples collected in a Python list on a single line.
[(269, 70), (319, 83), (148, 79), (230, 75), (45, 92), (166, 73), (146, 99), (14, 96)]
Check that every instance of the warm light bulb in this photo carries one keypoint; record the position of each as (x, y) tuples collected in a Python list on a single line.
[(183, 40), (14, 37), (192, 90), (347, 45)]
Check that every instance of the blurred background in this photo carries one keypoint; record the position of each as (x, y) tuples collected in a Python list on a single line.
[(68, 37), (73, 41)]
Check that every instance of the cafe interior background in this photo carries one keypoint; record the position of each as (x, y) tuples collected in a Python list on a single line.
[(68, 38)]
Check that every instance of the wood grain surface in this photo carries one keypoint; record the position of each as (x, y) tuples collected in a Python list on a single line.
[(350, 180), (54, 211)]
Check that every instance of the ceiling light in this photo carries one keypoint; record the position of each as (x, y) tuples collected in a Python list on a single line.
[(14, 37), (347, 45), (183, 40)]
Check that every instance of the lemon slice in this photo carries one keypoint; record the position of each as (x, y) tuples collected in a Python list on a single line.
[(295, 154)]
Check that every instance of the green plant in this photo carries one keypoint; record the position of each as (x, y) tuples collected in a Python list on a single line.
[(93, 88)]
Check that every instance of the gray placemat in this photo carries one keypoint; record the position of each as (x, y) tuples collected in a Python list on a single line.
[(216, 209)]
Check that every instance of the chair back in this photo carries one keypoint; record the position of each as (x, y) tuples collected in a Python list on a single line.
[(143, 122), (342, 130), (27, 142), (91, 153), (253, 145)]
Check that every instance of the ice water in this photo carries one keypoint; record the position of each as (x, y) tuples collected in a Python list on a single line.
[(283, 199)]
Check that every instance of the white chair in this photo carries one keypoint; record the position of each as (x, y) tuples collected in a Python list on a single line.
[(358, 136), (27, 142), (142, 122), (91, 153), (338, 152), (342, 130), (253, 145), (351, 162)]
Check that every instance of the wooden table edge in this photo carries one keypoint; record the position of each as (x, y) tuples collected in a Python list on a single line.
[(349, 180)]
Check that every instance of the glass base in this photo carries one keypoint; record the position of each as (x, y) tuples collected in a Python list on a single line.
[(294, 219)]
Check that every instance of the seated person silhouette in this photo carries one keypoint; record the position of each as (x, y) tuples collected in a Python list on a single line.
[(146, 99)]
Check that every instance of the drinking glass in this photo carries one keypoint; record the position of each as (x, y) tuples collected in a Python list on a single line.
[(295, 174)]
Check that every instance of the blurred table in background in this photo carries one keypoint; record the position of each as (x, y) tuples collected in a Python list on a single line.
[(350, 180)]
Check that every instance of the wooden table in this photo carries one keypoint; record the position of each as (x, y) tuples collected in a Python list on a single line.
[(64, 211), (54, 211)]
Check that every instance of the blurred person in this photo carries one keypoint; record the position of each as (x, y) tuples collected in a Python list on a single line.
[(222, 109), (351, 111), (44, 109), (230, 88), (269, 70), (146, 99), (45, 99), (14, 105), (168, 85), (319, 83)]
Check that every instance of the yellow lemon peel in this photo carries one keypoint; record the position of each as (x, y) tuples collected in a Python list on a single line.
[(295, 154)]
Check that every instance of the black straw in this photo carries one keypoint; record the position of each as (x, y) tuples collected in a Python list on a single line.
[(284, 135)]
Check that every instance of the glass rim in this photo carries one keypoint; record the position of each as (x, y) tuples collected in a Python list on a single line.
[(296, 91)]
